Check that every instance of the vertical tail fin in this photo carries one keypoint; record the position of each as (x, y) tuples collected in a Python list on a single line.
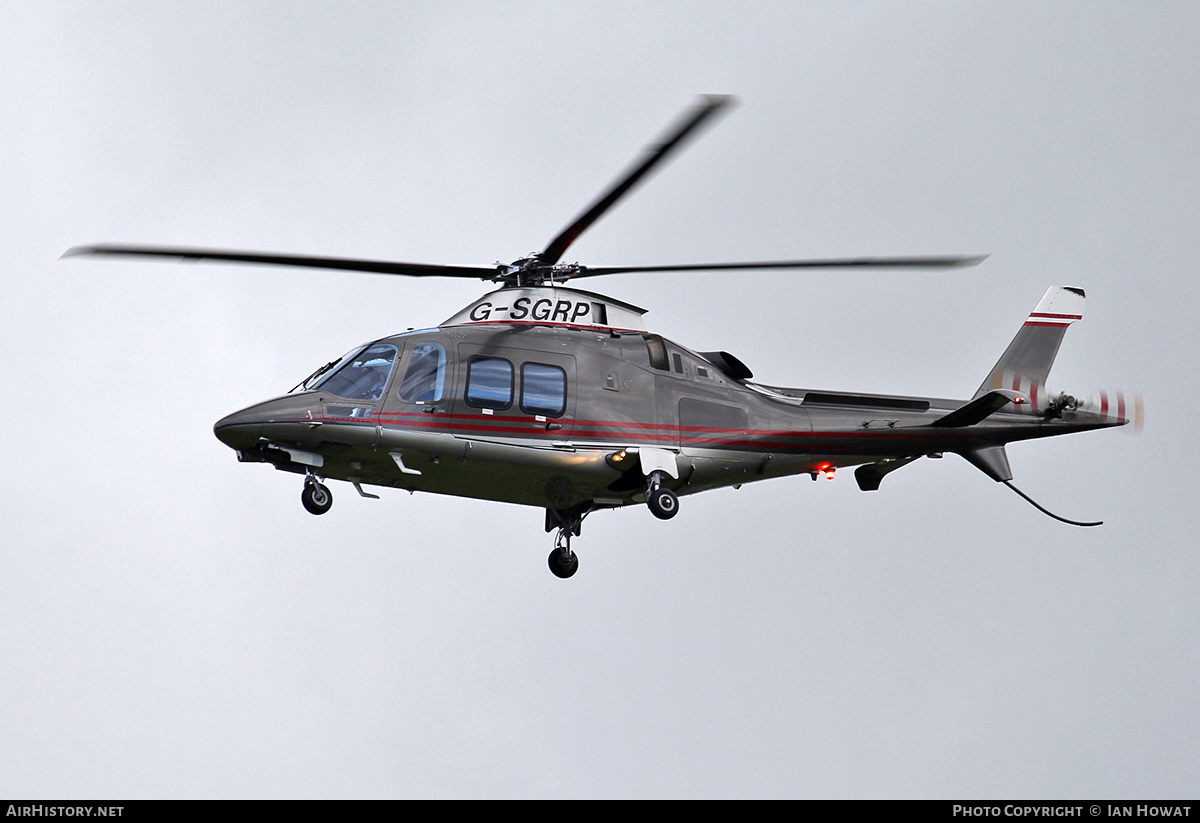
[(1026, 362)]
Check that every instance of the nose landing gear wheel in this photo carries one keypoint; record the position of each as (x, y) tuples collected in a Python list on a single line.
[(317, 499), (562, 564)]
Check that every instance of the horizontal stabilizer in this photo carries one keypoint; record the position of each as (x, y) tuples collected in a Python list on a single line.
[(980, 408)]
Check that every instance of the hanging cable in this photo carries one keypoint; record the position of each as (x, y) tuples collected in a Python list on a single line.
[(1046, 511)]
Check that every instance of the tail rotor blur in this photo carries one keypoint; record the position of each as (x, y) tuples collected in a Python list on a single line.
[(1117, 407)]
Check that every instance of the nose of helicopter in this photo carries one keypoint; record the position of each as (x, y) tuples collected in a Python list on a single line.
[(297, 420), (280, 416), (240, 429)]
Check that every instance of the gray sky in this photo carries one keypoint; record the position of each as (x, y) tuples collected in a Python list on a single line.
[(173, 624)]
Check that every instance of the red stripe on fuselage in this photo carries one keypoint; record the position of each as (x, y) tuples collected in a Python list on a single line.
[(604, 329), (629, 432)]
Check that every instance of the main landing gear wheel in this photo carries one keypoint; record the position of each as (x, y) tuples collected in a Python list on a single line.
[(662, 502), (316, 497), (563, 562)]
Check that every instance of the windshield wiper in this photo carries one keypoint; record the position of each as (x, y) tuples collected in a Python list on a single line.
[(304, 383)]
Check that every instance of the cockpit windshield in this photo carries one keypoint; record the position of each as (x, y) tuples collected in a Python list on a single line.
[(361, 375)]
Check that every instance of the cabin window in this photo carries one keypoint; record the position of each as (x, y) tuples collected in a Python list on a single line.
[(489, 383), (426, 376), (678, 361), (363, 376), (543, 389)]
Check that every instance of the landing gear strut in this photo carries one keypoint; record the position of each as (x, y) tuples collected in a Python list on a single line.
[(661, 501), (316, 497)]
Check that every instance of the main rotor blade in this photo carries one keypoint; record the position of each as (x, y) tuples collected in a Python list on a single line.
[(342, 263), (842, 263), (706, 108)]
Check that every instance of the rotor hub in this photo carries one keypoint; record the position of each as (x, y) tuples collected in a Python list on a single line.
[(531, 271)]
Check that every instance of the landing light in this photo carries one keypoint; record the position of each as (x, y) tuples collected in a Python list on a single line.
[(617, 459)]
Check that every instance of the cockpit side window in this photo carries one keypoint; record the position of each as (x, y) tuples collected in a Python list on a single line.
[(425, 379), (363, 376)]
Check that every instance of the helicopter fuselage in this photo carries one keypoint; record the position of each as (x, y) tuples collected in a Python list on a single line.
[(571, 415)]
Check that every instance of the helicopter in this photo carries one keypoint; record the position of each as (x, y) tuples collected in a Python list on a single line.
[(547, 395)]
